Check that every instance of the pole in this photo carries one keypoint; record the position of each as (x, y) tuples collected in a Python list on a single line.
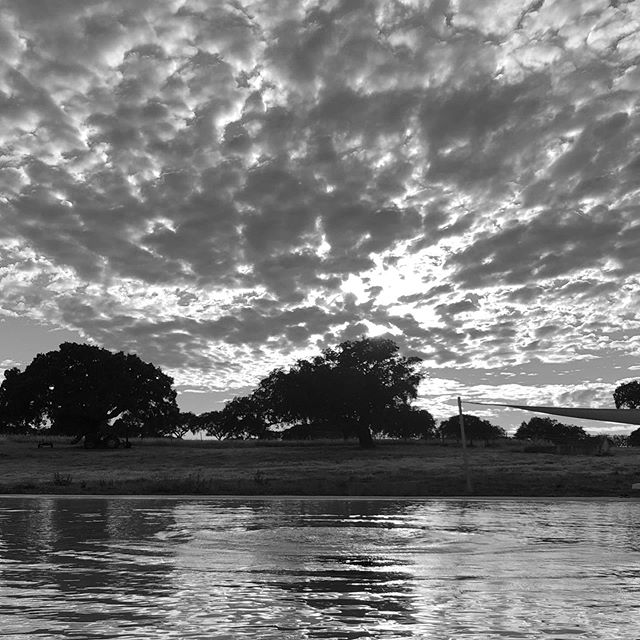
[(465, 456)]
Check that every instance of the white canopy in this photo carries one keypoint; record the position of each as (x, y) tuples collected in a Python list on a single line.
[(625, 416)]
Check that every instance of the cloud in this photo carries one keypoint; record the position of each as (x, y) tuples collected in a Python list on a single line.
[(216, 185), (544, 247)]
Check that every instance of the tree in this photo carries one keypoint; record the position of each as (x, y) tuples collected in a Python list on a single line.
[(351, 386), (634, 438), (627, 395), (79, 387), (408, 422), (548, 429), (475, 428), (211, 423), (317, 430), (184, 422), (244, 417), (14, 395)]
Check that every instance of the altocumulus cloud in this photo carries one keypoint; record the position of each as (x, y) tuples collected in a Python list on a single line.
[(223, 186)]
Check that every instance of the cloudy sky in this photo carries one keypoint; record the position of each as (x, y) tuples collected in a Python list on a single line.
[(225, 186)]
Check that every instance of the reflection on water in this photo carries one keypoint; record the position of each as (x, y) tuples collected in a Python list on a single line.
[(212, 568)]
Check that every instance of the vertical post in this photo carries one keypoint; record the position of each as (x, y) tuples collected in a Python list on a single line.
[(465, 456)]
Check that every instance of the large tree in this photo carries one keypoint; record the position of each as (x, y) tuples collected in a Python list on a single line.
[(79, 387), (634, 438), (355, 385), (627, 395)]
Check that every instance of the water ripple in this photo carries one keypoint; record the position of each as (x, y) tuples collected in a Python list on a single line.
[(303, 569)]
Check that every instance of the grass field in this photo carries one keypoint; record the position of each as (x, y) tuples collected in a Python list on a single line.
[(309, 468)]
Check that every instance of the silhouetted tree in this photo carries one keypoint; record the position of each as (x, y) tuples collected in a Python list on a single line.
[(407, 422), (78, 387), (353, 385), (15, 400), (619, 440), (184, 422), (318, 430), (548, 429), (244, 417), (627, 395), (475, 428), (634, 438), (211, 423)]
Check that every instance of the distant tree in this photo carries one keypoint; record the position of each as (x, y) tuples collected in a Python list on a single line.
[(183, 423), (475, 428), (548, 429), (407, 422), (77, 388), (619, 440), (634, 438), (355, 384), (627, 395), (244, 417), (211, 423)]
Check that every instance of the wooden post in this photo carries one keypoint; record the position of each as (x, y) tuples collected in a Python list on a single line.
[(465, 456)]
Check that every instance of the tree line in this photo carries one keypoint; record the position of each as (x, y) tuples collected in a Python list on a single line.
[(360, 389)]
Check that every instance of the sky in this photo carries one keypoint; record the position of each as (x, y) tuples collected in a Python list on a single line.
[(225, 187)]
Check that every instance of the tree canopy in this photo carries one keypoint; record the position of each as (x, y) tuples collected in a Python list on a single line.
[(538, 428), (627, 395), (475, 428), (407, 422), (356, 385), (78, 387)]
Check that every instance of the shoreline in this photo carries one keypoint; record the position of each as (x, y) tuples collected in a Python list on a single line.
[(311, 469), (309, 498)]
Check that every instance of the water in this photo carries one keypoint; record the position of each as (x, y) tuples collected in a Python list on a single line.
[(287, 568)]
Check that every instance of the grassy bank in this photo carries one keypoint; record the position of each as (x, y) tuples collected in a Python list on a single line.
[(309, 468)]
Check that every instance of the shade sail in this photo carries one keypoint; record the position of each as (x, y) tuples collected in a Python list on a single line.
[(625, 416)]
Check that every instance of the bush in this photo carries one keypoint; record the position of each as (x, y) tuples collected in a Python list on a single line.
[(549, 429), (475, 429)]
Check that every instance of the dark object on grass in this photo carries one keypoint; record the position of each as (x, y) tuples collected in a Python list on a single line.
[(45, 443), (99, 441), (105, 441)]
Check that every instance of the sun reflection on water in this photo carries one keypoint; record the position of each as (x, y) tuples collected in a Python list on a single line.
[(212, 568)]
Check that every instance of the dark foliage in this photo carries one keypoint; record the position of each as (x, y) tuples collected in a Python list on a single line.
[(634, 438), (211, 423), (244, 417), (627, 396), (79, 388), (475, 428), (184, 422), (357, 384), (548, 429), (318, 430), (622, 441), (407, 422)]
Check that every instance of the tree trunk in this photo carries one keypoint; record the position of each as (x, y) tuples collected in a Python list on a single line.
[(364, 436)]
